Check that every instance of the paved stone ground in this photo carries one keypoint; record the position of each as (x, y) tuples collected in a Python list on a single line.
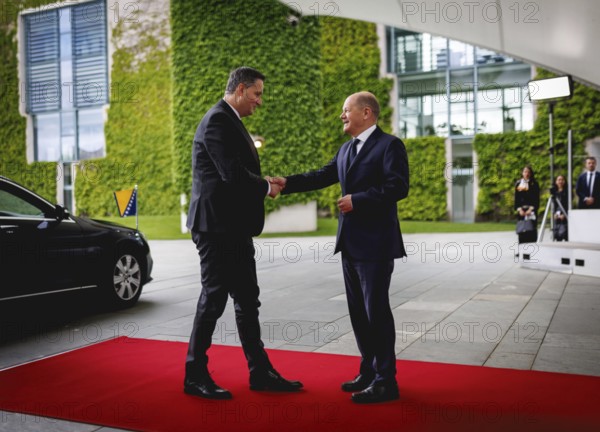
[(457, 298)]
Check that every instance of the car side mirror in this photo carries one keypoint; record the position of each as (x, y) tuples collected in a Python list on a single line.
[(61, 212)]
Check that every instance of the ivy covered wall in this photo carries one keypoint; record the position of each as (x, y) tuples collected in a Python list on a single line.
[(40, 176), (502, 156), (426, 199)]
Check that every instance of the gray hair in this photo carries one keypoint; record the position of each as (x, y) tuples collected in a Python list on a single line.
[(242, 75)]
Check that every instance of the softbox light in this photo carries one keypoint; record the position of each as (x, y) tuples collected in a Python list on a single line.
[(550, 89)]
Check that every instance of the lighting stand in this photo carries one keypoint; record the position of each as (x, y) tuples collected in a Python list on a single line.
[(551, 153)]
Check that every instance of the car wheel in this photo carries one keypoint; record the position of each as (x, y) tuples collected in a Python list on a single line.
[(125, 284)]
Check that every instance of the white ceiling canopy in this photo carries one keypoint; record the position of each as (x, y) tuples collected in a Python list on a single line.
[(558, 35)]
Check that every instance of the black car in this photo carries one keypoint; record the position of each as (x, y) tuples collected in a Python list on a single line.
[(45, 250)]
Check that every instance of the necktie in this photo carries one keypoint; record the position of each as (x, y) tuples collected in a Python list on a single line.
[(589, 177), (353, 146)]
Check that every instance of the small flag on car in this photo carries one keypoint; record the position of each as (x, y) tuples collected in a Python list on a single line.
[(127, 202)]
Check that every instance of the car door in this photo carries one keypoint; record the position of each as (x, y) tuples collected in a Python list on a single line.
[(39, 251)]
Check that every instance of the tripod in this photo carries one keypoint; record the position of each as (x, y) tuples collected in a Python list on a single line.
[(551, 199)]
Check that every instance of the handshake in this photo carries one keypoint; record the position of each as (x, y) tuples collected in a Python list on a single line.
[(277, 185)]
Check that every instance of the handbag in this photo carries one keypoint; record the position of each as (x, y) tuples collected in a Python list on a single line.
[(560, 232), (525, 225)]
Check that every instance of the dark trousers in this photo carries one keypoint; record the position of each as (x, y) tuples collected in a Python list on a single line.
[(227, 269), (367, 291)]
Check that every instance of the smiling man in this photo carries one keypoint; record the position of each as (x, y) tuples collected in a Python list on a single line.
[(226, 210), (372, 169)]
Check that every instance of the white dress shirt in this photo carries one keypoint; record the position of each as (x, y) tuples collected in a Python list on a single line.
[(364, 136)]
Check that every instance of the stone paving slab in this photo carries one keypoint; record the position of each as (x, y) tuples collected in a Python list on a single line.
[(457, 298)]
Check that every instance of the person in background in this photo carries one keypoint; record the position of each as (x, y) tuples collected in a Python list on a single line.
[(588, 186), (560, 195), (527, 203)]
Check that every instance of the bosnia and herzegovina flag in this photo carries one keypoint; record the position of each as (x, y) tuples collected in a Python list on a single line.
[(127, 202)]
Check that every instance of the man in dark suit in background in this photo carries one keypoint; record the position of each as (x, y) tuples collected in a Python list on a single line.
[(588, 186), (226, 211), (373, 172)]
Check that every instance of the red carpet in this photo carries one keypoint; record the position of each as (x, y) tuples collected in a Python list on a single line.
[(137, 384)]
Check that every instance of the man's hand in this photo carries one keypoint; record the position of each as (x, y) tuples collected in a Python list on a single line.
[(275, 190), (345, 204), (281, 181), (277, 184)]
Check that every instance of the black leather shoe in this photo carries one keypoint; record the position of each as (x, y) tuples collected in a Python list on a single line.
[(359, 383), (378, 392), (272, 380), (205, 388)]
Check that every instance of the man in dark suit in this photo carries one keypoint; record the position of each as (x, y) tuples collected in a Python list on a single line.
[(226, 210), (588, 186), (373, 172)]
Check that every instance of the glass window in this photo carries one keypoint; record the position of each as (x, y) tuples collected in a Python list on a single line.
[(66, 64), (462, 117), (503, 110), (91, 133), (42, 54), (438, 52), (409, 108), (408, 50), (486, 56), (415, 52), (460, 54), (423, 116), (11, 205), (435, 110), (489, 110), (89, 54), (518, 109), (483, 94), (47, 137), (462, 104), (526, 116), (67, 136), (432, 46)]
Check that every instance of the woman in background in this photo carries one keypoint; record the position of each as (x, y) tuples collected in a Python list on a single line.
[(560, 194), (527, 203)]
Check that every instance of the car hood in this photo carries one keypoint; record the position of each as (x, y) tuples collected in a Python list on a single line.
[(104, 224)]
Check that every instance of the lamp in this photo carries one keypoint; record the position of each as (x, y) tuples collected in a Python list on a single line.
[(550, 90), (258, 141)]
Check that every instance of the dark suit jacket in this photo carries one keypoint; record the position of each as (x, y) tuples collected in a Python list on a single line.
[(377, 179), (583, 191), (227, 189), (530, 197)]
